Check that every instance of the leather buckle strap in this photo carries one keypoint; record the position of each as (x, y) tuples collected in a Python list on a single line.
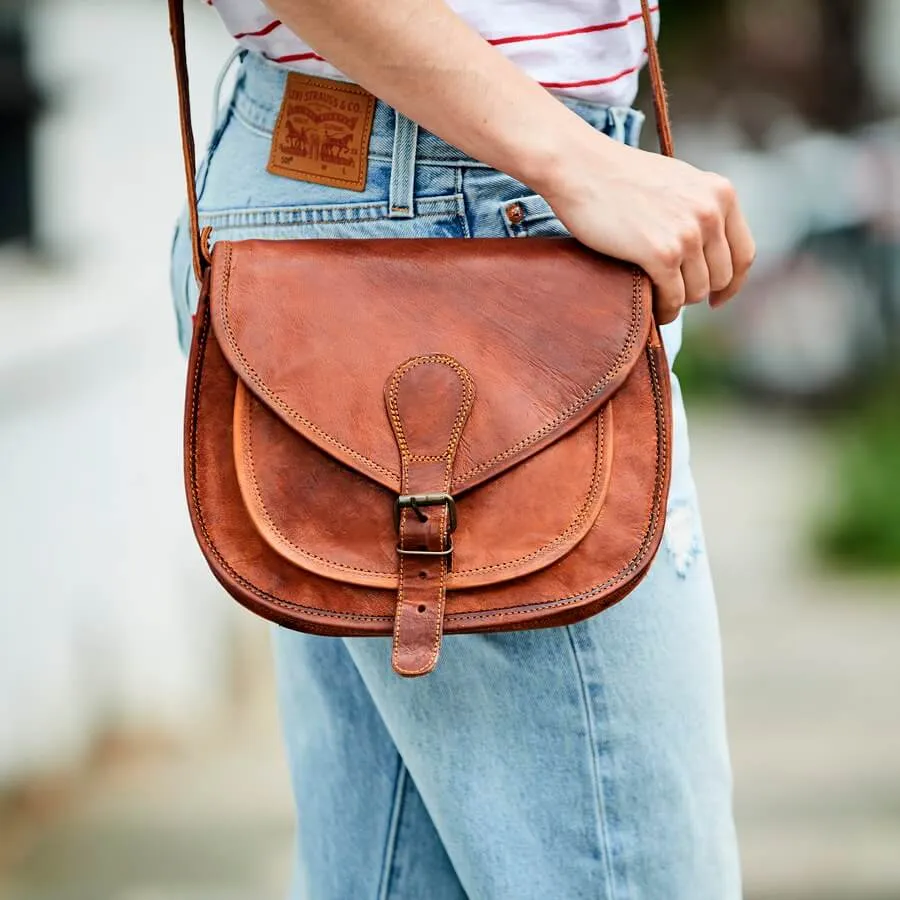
[(428, 401)]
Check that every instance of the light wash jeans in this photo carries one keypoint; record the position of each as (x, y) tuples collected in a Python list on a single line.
[(581, 762)]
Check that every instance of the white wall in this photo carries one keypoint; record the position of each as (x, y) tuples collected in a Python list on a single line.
[(108, 616)]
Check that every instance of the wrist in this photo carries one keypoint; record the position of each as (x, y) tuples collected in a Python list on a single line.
[(557, 166)]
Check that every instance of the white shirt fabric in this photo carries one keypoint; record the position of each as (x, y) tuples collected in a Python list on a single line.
[(590, 49)]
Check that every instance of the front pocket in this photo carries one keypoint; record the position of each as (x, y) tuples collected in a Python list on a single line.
[(531, 216)]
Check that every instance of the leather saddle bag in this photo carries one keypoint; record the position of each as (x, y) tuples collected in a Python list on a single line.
[(423, 436)]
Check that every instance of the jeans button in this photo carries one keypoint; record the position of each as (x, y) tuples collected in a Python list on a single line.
[(515, 213)]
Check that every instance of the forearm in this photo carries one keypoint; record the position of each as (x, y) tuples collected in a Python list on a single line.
[(683, 226), (424, 60)]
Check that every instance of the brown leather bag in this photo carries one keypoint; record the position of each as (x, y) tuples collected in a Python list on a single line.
[(421, 436)]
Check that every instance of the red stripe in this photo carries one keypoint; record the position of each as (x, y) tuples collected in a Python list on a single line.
[(587, 29), (294, 57), (267, 29), (512, 39), (557, 85), (552, 85)]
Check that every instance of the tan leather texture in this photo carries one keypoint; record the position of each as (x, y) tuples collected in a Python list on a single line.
[(539, 402), (416, 437), (322, 132), (428, 400)]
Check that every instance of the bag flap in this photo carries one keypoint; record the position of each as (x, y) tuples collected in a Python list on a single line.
[(547, 328), (323, 517)]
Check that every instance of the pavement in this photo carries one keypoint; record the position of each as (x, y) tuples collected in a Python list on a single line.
[(812, 674), (812, 667)]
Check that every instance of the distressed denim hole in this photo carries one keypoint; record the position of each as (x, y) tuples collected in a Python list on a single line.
[(681, 537)]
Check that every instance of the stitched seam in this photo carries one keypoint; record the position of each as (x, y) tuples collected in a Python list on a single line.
[(444, 201), (580, 402), (212, 215), (603, 831), (394, 411), (651, 528), (335, 220), (261, 506), (575, 524), (521, 445), (404, 477), (561, 538), (277, 401), (322, 613), (442, 591), (201, 518), (495, 614), (390, 849), (447, 456), (401, 583)]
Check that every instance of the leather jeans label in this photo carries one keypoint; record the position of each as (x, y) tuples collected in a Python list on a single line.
[(322, 133)]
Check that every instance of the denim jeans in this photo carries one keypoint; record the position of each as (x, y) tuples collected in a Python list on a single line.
[(581, 762)]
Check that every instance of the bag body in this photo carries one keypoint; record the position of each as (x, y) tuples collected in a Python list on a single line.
[(420, 436)]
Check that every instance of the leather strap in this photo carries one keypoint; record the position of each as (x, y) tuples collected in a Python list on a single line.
[(658, 84), (176, 29), (428, 400), (176, 32)]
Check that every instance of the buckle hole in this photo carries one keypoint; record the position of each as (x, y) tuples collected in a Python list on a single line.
[(421, 607)]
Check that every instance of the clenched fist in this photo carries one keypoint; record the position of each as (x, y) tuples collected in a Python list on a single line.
[(684, 227)]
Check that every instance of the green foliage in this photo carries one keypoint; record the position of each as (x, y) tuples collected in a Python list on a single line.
[(861, 527), (691, 35), (702, 366)]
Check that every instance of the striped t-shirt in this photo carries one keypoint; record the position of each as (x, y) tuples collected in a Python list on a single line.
[(591, 49)]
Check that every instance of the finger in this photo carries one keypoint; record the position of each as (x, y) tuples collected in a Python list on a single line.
[(718, 261), (695, 274), (743, 252), (668, 294), (720, 298)]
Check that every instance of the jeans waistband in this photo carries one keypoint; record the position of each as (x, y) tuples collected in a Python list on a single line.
[(260, 86)]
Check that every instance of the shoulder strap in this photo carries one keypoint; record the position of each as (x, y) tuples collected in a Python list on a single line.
[(658, 85), (176, 29)]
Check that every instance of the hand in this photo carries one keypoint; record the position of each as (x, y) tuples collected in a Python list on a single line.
[(684, 227)]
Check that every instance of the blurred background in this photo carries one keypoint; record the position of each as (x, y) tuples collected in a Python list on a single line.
[(139, 755)]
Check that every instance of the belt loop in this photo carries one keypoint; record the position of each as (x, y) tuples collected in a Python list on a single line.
[(617, 121), (633, 128), (403, 167)]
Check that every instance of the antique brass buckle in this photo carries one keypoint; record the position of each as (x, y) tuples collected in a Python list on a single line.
[(418, 503)]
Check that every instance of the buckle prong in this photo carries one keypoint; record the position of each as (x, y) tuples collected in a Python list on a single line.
[(416, 502)]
